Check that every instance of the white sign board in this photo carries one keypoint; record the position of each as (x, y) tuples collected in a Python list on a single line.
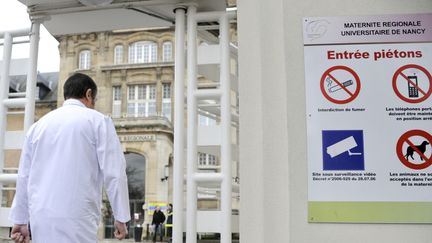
[(367, 29), (369, 116)]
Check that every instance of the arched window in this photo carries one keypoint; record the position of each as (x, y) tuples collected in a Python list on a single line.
[(143, 52), (118, 54), (135, 171), (167, 51), (84, 60)]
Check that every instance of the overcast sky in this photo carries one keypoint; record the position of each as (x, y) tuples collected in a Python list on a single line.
[(13, 15)]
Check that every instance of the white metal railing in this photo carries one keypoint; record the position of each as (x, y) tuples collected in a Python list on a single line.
[(15, 95), (179, 69), (4, 90), (29, 111), (7, 178), (192, 153), (226, 188), (220, 94), (8, 101)]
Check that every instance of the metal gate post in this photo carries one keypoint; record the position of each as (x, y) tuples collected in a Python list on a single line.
[(179, 127), (191, 211)]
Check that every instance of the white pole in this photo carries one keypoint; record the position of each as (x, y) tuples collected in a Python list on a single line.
[(15, 33), (7, 53), (226, 186), (213, 16), (191, 218), (179, 134), (18, 42), (15, 103), (32, 76), (8, 178)]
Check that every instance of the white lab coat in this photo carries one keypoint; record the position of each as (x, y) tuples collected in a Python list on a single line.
[(68, 155)]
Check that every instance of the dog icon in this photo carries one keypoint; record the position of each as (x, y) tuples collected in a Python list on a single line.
[(421, 148)]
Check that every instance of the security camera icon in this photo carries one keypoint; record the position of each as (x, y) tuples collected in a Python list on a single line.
[(342, 146)]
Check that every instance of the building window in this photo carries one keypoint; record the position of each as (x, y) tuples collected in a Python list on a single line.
[(84, 60), (211, 160), (116, 109), (167, 51), (143, 52), (141, 100), (118, 54), (205, 119), (206, 160), (166, 100)]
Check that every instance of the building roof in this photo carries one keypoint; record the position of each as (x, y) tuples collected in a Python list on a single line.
[(46, 82)]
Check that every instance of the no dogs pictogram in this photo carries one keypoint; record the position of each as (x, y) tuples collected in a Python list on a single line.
[(418, 149), (412, 83), (340, 84)]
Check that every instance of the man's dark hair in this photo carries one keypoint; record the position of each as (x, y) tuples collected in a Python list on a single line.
[(77, 85)]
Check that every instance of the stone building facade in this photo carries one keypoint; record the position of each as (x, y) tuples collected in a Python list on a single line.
[(134, 71)]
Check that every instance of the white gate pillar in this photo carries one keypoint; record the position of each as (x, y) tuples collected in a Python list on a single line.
[(178, 173)]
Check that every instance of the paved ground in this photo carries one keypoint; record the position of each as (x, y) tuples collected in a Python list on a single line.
[(144, 241), (129, 241), (3, 240)]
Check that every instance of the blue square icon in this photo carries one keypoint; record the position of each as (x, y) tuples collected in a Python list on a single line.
[(343, 150)]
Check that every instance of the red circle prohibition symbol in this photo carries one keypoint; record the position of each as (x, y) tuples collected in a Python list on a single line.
[(404, 157), (399, 72), (352, 95)]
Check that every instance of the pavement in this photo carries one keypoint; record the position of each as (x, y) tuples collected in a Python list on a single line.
[(6, 240), (131, 240), (145, 241)]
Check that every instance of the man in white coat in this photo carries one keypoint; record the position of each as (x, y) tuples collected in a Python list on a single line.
[(68, 156)]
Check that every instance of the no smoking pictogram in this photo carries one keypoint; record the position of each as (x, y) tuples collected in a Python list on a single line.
[(419, 144), (340, 84), (412, 83)]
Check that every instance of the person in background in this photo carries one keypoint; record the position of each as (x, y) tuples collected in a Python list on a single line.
[(169, 221), (157, 221), (68, 156)]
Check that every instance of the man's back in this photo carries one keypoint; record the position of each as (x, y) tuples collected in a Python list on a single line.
[(65, 179), (68, 156)]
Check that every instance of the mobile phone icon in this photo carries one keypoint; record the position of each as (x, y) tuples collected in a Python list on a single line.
[(412, 89)]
